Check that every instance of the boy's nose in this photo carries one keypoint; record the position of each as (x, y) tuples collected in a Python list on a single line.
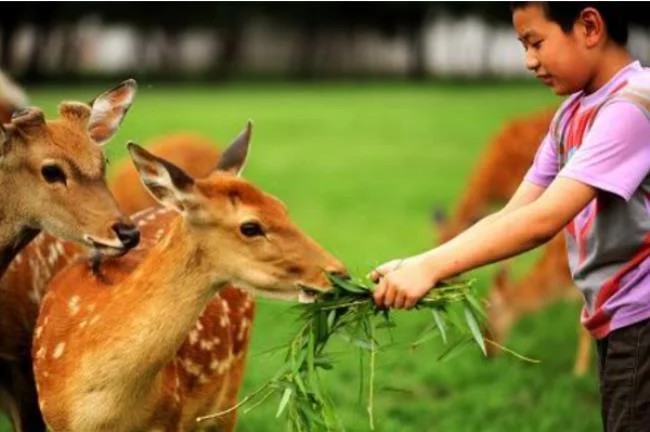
[(531, 61)]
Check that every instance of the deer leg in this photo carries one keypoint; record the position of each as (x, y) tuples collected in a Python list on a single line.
[(583, 353), (19, 399)]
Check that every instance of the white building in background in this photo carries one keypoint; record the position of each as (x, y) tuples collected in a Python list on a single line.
[(467, 47)]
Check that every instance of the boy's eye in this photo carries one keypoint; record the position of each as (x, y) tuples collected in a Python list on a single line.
[(537, 45)]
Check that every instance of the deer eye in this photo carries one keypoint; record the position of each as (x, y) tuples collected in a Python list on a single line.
[(53, 174), (251, 229)]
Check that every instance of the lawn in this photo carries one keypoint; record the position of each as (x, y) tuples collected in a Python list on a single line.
[(360, 167)]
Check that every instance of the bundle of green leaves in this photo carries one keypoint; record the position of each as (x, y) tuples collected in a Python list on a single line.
[(349, 311)]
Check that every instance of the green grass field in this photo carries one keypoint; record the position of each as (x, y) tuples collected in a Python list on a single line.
[(360, 167)]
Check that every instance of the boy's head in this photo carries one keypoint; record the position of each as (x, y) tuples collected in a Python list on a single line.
[(565, 41)]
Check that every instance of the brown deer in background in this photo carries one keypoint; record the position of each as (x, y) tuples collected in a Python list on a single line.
[(52, 177), (192, 153), (498, 173), (145, 344)]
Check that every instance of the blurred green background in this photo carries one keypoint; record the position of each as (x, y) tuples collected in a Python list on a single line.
[(360, 166)]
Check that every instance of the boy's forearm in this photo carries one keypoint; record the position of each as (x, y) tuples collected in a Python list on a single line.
[(500, 236)]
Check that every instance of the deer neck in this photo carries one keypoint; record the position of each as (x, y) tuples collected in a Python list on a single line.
[(15, 233), (165, 295), (14, 236)]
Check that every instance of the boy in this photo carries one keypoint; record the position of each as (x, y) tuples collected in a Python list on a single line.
[(591, 176)]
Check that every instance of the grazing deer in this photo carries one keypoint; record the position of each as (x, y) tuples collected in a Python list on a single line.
[(498, 173), (548, 281), (144, 344), (52, 175), (194, 154)]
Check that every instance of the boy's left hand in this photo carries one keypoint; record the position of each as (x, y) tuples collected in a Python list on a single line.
[(404, 286)]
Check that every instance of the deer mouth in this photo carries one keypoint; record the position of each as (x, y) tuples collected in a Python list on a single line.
[(308, 294)]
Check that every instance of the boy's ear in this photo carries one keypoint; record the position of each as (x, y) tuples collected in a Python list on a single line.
[(167, 183), (109, 109), (233, 159), (593, 26)]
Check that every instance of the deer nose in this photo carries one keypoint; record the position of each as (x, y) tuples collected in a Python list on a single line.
[(128, 234)]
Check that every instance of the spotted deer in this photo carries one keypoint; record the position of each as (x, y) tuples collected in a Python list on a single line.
[(194, 154), (149, 342), (52, 175), (498, 173), (547, 282)]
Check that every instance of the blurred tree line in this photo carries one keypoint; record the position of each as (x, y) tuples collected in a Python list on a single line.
[(227, 20)]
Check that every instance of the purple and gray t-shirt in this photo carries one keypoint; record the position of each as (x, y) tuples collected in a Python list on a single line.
[(603, 139)]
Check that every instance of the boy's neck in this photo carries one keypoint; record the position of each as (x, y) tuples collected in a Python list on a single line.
[(614, 59)]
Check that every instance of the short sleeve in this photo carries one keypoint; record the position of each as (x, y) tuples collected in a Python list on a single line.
[(545, 165), (615, 154)]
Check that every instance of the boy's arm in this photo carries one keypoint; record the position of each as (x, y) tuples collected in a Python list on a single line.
[(518, 230), (509, 234), (526, 193)]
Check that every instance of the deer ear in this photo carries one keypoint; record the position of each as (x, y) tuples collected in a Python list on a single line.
[(167, 183), (109, 109), (12, 98), (234, 157), (29, 121)]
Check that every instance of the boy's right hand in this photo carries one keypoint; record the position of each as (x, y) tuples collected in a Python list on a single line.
[(385, 268)]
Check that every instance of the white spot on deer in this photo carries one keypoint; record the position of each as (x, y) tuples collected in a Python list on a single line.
[(73, 305), (193, 336), (83, 324), (224, 321), (151, 217), (191, 367), (58, 350), (94, 320), (41, 353), (53, 253), (142, 222), (243, 327), (59, 248), (37, 333), (199, 326), (159, 234), (41, 404), (203, 379), (224, 365), (45, 321), (206, 345), (35, 295), (18, 259)]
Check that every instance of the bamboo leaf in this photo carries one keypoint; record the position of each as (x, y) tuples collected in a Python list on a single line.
[(474, 328), (284, 401), (440, 323)]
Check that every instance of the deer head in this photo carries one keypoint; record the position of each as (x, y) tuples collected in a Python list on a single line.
[(244, 232), (55, 171)]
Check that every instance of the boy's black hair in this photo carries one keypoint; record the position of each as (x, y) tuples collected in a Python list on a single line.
[(566, 13)]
